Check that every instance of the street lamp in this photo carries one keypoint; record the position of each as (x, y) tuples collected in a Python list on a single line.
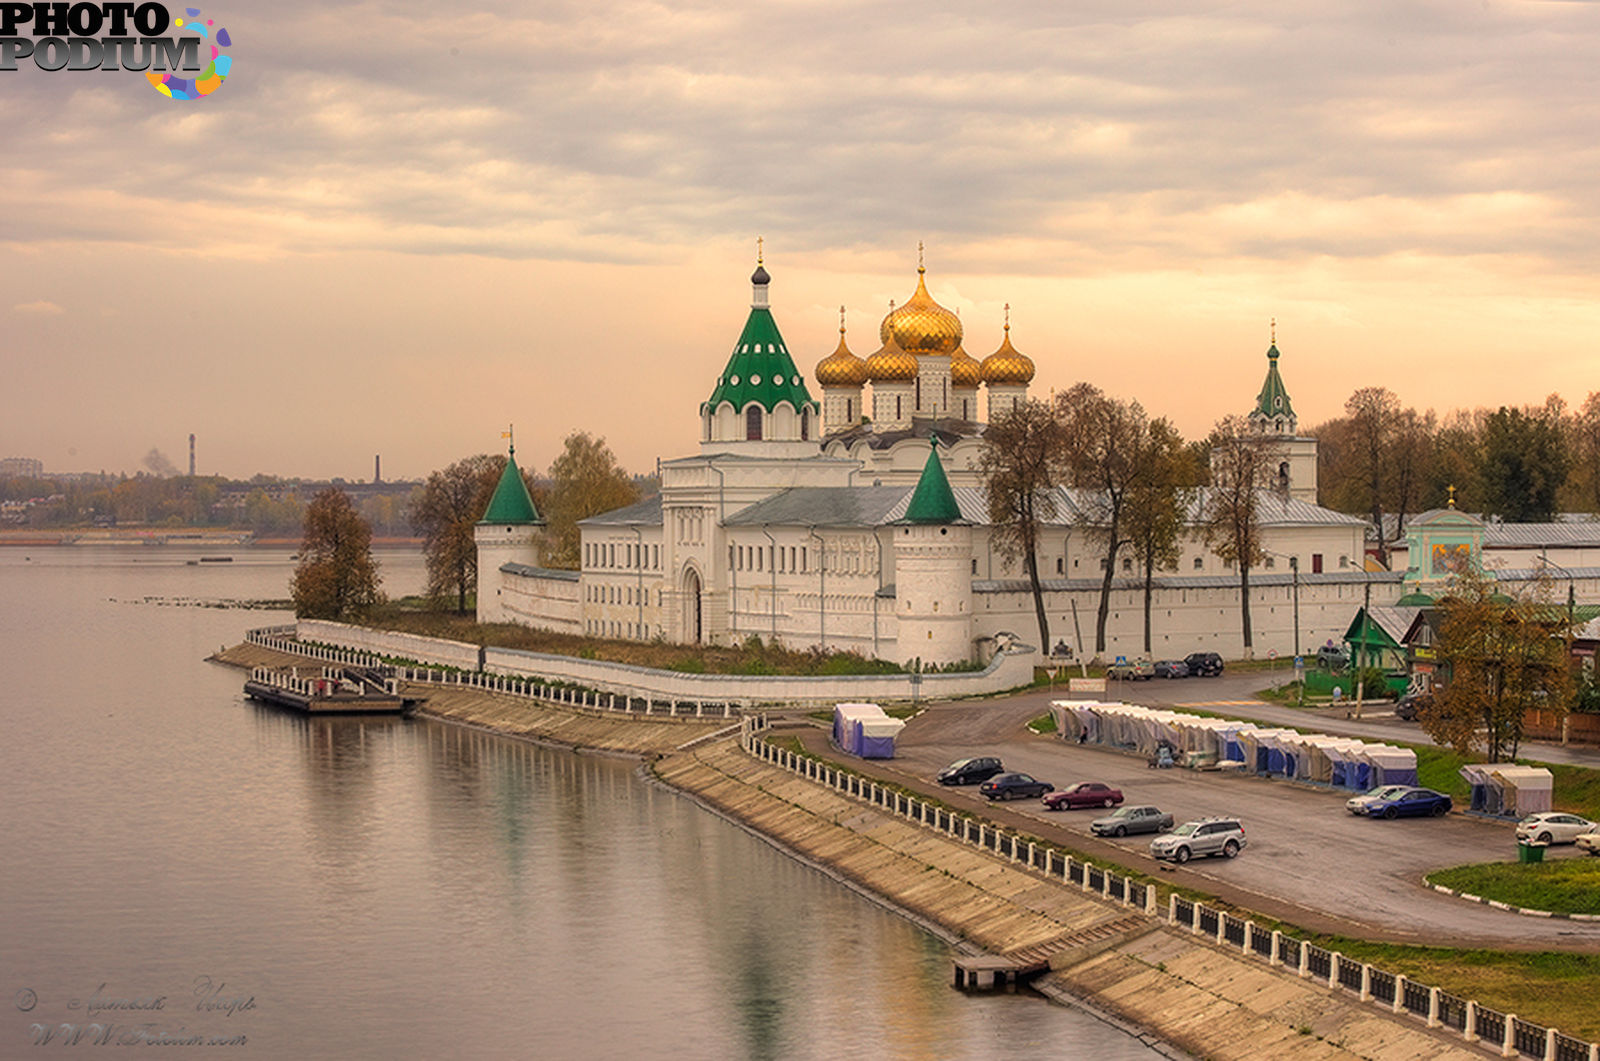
[(1294, 570)]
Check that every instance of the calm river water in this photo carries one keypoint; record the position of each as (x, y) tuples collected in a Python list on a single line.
[(184, 867)]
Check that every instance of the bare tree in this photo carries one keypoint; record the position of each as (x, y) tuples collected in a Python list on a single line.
[(1105, 442), (445, 513), (1021, 468), (1373, 413), (1231, 519), (1583, 482)]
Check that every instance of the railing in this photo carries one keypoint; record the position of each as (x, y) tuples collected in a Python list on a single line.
[(560, 695), (1504, 1034)]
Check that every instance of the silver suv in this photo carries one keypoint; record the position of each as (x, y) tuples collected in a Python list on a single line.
[(1207, 836)]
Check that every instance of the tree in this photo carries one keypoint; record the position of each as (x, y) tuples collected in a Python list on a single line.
[(1103, 447), (1583, 480), (1021, 468), (337, 577), (448, 508), (1524, 462), (1374, 413), (1502, 656), (1157, 505), (587, 482), (1230, 519)]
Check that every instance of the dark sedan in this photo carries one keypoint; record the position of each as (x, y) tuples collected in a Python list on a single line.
[(1411, 803), (1014, 786), (1125, 820), (969, 771), (1083, 794), (1172, 668)]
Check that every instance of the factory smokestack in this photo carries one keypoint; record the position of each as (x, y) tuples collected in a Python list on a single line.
[(191, 455), (377, 468)]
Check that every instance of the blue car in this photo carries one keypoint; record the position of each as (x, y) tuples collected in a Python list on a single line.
[(1411, 803)]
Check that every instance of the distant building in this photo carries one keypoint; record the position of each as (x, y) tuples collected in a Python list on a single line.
[(21, 468)]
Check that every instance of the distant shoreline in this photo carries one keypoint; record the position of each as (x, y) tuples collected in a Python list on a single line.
[(167, 537)]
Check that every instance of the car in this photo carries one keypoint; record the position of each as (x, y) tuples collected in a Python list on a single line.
[(1131, 670), (1013, 786), (969, 771), (1411, 705), (1411, 803), (1358, 805), (1553, 827), (1203, 664), (1083, 794), (1333, 657), (1125, 820), (1171, 668), (1589, 842), (1205, 836)]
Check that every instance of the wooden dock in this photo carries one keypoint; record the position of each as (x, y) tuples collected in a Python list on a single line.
[(330, 691)]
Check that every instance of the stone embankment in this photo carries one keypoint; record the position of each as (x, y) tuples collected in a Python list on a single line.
[(1116, 960)]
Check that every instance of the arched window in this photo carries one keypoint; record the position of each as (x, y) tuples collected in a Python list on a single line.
[(849, 411), (752, 424), (919, 393), (897, 406)]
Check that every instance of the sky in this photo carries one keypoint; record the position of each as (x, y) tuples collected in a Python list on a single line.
[(398, 228)]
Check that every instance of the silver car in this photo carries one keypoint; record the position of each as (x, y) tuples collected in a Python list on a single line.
[(1358, 805), (1208, 836)]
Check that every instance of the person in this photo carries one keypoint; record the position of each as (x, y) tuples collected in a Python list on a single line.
[(1083, 736), (1338, 694)]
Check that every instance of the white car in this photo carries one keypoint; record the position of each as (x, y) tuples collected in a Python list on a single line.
[(1553, 827), (1357, 805), (1589, 842)]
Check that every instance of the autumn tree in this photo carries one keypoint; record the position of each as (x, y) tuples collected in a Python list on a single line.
[(1230, 518), (1021, 466), (1503, 656), (445, 513), (1374, 413), (337, 577), (1583, 480), (1457, 460), (587, 482), (1157, 507)]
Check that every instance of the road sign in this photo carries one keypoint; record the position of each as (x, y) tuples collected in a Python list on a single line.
[(1121, 660), (1272, 653), (1299, 663)]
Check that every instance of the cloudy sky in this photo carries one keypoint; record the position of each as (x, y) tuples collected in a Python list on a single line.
[(398, 227)]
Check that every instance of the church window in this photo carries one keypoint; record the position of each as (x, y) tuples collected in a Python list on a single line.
[(1199, 563), (919, 392), (974, 565), (752, 424), (1269, 563), (897, 406), (805, 424), (1344, 561), (1127, 563), (1316, 563), (849, 413), (1061, 565)]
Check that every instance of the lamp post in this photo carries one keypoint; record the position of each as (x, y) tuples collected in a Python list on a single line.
[(1294, 571)]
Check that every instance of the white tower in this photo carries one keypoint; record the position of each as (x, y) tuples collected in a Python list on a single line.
[(933, 572), (507, 533)]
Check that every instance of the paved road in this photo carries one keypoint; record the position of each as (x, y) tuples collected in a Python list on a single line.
[(1308, 861)]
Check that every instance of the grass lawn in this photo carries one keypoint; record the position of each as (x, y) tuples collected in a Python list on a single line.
[(1571, 886)]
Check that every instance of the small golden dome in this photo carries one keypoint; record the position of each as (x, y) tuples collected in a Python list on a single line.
[(1007, 364), (891, 364), (922, 326), (841, 368), (964, 370)]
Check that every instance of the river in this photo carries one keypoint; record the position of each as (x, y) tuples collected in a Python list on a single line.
[(185, 867)]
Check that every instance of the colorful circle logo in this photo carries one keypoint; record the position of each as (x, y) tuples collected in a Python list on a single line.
[(211, 77)]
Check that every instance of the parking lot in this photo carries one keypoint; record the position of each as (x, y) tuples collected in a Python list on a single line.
[(1306, 851)]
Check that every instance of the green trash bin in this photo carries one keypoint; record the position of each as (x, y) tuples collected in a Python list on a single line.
[(1530, 852)]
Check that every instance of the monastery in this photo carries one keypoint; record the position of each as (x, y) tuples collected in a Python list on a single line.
[(844, 525)]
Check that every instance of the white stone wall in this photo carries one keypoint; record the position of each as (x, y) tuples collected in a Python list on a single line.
[(541, 602), (500, 543), (933, 592), (893, 404), (841, 408)]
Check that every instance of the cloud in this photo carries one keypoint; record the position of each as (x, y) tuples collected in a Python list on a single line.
[(41, 308)]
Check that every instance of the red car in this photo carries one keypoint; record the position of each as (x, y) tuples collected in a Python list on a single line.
[(1083, 794)]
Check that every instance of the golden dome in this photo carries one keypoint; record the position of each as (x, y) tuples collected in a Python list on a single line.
[(922, 326), (964, 370), (1007, 364), (891, 363), (841, 368)]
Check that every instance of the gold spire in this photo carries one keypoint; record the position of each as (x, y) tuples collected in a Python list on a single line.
[(1452, 495), (1274, 340), (841, 368), (759, 242), (921, 267), (1007, 364), (922, 327)]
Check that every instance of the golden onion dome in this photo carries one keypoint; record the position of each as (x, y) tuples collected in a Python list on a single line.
[(841, 368), (1007, 364), (891, 364), (965, 370), (922, 326)]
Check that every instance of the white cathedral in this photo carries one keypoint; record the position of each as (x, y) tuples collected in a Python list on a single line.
[(828, 525)]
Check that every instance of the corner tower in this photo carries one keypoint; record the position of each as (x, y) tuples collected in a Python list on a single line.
[(1294, 457), (760, 405), (933, 571), (507, 533)]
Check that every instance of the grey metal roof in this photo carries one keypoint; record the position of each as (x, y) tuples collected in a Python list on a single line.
[(1393, 621), (824, 506), (1229, 581), (1566, 534), (529, 571), (645, 513)]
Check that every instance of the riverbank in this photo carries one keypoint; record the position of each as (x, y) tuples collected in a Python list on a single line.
[(1198, 996)]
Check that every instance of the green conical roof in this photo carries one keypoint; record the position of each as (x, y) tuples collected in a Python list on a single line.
[(1274, 397), (511, 502), (760, 369), (933, 501)]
